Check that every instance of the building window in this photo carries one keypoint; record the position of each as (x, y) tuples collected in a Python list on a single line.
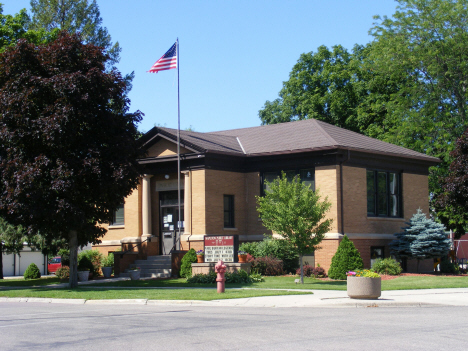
[(118, 218), (228, 211), (384, 194), (306, 175)]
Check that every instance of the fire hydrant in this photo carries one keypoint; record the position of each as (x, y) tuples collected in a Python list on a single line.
[(220, 268)]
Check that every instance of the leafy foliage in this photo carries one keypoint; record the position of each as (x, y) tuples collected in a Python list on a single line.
[(74, 16), (316, 272), (84, 263), (186, 263), (281, 249), (452, 202), (93, 256), (32, 272), (63, 272), (387, 265), (294, 211), (347, 258), (447, 266), (239, 277), (270, 266), (421, 238), (108, 261), (61, 175)]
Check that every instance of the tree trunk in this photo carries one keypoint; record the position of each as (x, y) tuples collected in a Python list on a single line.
[(73, 246), (302, 269), (1, 260)]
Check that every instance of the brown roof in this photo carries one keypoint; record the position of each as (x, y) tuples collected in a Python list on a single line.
[(305, 135)]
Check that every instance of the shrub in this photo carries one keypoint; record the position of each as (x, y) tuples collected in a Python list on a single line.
[(346, 258), (240, 277), (84, 263), (209, 278), (32, 272), (95, 257), (446, 266), (63, 272), (267, 266), (387, 266), (279, 248), (186, 263), (309, 271), (108, 261)]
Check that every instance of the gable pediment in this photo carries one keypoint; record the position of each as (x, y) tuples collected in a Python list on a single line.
[(164, 147)]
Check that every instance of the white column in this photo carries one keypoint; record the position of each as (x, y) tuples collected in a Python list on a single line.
[(146, 204)]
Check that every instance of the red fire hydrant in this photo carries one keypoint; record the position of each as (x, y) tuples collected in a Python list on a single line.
[(220, 268)]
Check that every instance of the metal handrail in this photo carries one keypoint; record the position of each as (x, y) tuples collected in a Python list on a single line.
[(133, 246)]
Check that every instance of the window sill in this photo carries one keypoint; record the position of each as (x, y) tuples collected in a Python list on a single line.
[(385, 218), (231, 229), (122, 226)]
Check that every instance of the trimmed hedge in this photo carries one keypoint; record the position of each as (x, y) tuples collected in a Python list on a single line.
[(347, 258), (32, 272)]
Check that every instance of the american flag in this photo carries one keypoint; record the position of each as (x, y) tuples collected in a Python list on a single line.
[(167, 61)]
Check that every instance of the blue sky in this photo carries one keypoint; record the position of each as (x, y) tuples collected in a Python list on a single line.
[(234, 54)]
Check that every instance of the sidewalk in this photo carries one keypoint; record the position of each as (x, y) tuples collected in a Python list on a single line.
[(319, 298)]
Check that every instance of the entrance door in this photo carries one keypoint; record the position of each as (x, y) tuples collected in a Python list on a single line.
[(170, 220)]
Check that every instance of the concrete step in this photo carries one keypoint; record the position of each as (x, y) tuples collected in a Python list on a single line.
[(159, 258), (142, 264)]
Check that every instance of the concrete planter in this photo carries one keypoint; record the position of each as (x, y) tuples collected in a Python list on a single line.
[(83, 276), (364, 288), (135, 275), (107, 272)]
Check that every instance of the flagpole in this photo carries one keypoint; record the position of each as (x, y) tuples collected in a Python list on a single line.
[(179, 224)]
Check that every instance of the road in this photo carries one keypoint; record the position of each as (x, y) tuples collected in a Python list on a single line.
[(40, 326)]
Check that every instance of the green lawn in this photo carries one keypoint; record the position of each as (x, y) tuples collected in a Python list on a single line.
[(170, 289)]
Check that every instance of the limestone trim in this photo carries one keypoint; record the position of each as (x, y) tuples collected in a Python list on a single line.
[(370, 236), (333, 236), (187, 202), (146, 205), (109, 243), (130, 239)]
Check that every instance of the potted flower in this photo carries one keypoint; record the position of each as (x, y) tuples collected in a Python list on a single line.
[(242, 256), (107, 265), (134, 273), (364, 284), (200, 256)]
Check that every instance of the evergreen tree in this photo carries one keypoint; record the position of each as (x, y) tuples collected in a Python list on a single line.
[(422, 238), (346, 258)]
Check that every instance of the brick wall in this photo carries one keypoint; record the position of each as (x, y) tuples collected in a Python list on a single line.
[(327, 182)]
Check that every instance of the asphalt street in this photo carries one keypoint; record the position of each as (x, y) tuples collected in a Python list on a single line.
[(66, 326)]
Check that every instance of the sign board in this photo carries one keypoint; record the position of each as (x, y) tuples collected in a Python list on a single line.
[(221, 247)]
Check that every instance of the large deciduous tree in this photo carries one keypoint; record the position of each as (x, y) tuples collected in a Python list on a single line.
[(75, 16), (294, 211), (68, 146), (452, 202)]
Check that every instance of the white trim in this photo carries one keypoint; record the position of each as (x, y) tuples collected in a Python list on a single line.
[(241, 145), (120, 226)]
